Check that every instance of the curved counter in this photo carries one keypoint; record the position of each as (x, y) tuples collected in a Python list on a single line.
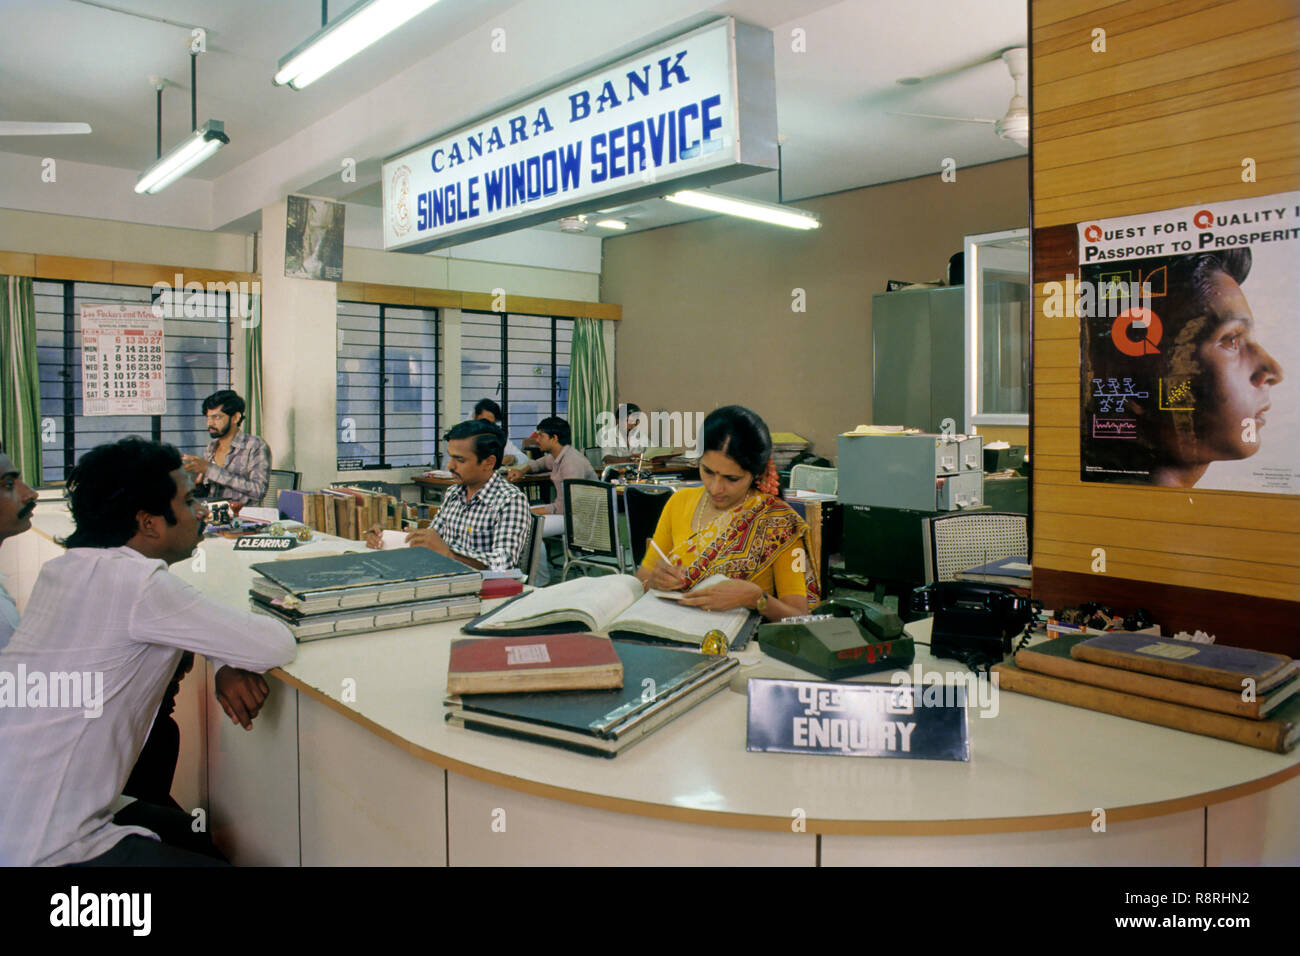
[(355, 764)]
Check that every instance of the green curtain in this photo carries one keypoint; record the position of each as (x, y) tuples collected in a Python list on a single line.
[(253, 367), (590, 390), (20, 390)]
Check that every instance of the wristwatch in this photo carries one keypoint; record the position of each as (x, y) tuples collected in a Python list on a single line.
[(761, 606)]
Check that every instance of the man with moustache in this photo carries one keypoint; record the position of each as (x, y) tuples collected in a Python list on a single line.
[(234, 467), (108, 606), (482, 521), (17, 502)]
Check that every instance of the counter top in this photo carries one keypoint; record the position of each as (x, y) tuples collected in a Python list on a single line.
[(1035, 765)]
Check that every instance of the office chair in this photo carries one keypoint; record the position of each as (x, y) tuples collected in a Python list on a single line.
[(591, 526), (279, 481), (825, 481), (964, 540), (644, 504), (532, 546), (801, 508)]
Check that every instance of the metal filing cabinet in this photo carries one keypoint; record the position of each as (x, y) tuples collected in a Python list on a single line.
[(915, 472), (918, 339)]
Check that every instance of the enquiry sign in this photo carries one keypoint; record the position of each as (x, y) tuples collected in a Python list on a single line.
[(689, 112)]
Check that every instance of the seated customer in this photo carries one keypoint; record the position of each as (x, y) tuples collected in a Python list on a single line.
[(483, 520), (234, 467), (736, 526), (17, 502), (490, 411), (108, 609)]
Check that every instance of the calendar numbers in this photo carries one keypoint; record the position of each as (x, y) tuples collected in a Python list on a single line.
[(123, 361)]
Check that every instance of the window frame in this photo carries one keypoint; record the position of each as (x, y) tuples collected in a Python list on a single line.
[(979, 250), (503, 385), (435, 317), (70, 344)]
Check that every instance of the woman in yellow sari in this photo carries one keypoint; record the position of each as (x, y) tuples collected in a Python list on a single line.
[(735, 525)]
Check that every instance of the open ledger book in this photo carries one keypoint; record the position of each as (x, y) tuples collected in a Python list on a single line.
[(615, 604)]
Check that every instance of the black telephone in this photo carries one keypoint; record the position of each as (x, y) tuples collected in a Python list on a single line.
[(973, 623)]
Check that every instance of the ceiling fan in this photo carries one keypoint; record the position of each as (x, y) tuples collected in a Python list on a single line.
[(1014, 125), (11, 128)]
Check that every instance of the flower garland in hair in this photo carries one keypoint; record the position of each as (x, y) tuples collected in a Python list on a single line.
[(770, 482)]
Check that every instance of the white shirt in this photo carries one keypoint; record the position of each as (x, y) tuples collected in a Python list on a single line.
[(116, 613), (8, 614), (520, 457)]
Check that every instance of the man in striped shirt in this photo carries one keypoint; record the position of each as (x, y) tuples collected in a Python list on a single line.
[(482, 521), (234, 466)]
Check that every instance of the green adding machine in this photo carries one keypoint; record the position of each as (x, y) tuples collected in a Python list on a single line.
[(842, 638)]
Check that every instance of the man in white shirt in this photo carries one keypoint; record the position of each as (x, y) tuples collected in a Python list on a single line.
[(81, 680), (631, 436), (17, 502)]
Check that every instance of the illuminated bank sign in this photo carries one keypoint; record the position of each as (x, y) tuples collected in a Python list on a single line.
[(696, 110)]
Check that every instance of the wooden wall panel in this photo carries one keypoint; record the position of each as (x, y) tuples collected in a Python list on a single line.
[(1163, 118), (476, 301)]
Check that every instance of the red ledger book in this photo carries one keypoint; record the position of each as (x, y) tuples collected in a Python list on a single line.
[(504, 665)]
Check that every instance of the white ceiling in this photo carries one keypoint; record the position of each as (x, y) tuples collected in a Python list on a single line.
[(79, 60)]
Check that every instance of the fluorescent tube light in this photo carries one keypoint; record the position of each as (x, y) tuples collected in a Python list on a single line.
[(191, 151), (611, 224), (343, 39), (771, 213)]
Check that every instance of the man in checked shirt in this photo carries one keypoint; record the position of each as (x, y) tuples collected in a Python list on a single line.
[(234, 467), (483, 519)]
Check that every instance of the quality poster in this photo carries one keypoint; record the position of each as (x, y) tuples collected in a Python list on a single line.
[(1190, 347)]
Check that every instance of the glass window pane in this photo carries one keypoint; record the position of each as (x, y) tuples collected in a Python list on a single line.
[(387, 385)]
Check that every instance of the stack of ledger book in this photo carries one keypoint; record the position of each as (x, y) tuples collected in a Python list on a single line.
[(617, 605), (337, 594), (345, 512), (1246, 696), (582, 692)]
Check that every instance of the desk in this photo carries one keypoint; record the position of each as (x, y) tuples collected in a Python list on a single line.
[(352, 763)]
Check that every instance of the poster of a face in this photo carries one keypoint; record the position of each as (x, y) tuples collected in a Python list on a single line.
[(1191, 347), (313, 239)]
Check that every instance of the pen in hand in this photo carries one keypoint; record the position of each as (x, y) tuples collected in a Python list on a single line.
[(669, 564)]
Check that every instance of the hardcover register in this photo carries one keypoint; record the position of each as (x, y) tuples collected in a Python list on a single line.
[(659, 684), (338, 594)]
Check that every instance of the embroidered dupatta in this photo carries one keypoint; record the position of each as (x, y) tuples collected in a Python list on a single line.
[(759, 530)]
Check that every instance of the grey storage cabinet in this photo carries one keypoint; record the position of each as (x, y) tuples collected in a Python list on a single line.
[(916, 472), (919, 346)]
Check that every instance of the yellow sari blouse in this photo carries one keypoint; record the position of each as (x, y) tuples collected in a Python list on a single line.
[(762, 540)]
